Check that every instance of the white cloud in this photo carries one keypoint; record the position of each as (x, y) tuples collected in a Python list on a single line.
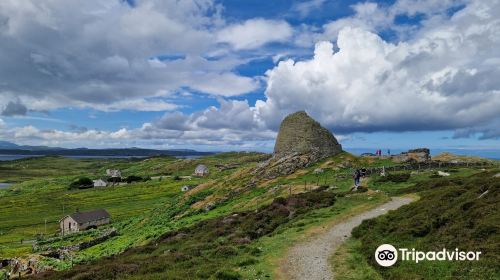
[(376, 17), (307, 7), (101, 55), (232, 114), (152, 105), (442, 79), (255, 33), (147, 135)]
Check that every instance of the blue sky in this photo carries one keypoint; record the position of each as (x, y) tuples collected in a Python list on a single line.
[(220, 75)]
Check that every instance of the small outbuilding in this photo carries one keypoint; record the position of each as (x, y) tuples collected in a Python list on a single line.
[(201, 170), (83, 220), (99, 183)]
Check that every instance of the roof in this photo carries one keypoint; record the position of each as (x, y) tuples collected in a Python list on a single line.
[(83, 217), (201, 167)]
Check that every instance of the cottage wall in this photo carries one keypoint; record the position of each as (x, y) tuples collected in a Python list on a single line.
[(68, 225)]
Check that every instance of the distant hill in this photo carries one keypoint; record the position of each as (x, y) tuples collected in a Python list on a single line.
[(9, 145), (8, 148)]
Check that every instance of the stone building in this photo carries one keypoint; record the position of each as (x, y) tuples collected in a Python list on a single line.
[(79, 221)]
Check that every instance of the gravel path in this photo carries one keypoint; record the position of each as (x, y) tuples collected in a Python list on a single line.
[(309, 260)]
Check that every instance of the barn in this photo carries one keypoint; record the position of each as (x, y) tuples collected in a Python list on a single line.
[(79, 221)]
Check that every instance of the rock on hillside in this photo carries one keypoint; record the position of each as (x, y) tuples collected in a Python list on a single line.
[(301, 141), (417, 155)]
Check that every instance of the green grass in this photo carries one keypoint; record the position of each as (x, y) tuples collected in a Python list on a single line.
[(350, 264), (43, 192), (213, 249), (395, 188)]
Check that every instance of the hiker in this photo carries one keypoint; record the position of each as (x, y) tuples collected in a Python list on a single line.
[(357, 177), (363, 172)]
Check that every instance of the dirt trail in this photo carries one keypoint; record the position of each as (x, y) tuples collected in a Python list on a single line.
[(309, 260)]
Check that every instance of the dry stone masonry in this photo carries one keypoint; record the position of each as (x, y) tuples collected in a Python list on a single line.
[(301, 141)]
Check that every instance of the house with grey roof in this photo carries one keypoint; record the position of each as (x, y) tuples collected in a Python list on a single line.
[(79, 221), (201, 170)]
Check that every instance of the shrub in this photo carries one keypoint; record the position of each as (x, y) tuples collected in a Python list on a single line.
[(395, 177), (133, 178), (227, 275), (82, 183)]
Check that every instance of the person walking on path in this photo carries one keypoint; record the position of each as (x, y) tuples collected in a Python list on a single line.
[(357, 178)]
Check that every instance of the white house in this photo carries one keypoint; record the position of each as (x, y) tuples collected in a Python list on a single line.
[(82, 220), (114, 173), (201, 170), (99, 183)]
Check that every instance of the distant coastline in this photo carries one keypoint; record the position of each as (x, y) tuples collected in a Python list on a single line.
[(12, 154)]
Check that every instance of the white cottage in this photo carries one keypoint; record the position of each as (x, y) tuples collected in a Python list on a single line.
[(201, 170), (82, 220), (114, 173), (99, 183)]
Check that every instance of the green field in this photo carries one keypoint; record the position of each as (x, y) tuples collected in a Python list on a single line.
[(34, 206)]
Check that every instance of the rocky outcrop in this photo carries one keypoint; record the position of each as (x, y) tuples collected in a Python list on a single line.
[(417, 155), (301, 141)]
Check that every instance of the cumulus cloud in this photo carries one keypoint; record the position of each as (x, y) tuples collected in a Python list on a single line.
[(376, 17), (255, 33), (231, 115), (444, 78)]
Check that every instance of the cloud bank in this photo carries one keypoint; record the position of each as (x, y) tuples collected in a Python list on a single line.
[(438, 74)]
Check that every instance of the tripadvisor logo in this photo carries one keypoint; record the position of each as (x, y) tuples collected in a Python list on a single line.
[(387, 255)]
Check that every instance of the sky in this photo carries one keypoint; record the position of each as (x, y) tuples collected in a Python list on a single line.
[(219, 75)]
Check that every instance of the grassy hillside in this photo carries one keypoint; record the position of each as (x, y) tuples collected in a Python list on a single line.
[(44, 194), (145, 213), (460, 212)]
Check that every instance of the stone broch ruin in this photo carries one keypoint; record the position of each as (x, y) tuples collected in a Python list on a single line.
[(301, 141)]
